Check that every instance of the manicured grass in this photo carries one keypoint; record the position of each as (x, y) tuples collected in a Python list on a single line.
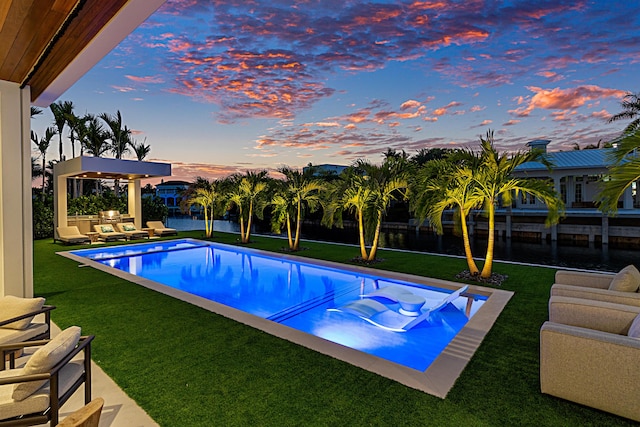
[(188, 367)]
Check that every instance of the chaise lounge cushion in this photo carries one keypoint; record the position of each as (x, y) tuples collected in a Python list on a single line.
[(12, 306), (46, 358), (626, 280)]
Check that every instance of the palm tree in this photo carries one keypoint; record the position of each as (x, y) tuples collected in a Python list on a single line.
[(43, 145), (120, 137), (626, 170), (205, 194), (443, 184), (35, 111), (631, 110), (367, 190), (93, 138), (76, 125), (61, 110), (493, 181), (141, 150), (296, 194), (248, 193)]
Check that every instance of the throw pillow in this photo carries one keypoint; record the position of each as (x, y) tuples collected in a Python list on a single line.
[(11, 307), (634, 330), (129, 228), (626, 280), (44, 359), (107, 229)]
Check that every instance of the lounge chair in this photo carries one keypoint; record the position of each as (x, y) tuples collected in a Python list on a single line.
[(34, 393), (160, 230), (106, 232), (131, 232), (619, 288), (72, 235), (383, 317), (589, 353), (410, 303)]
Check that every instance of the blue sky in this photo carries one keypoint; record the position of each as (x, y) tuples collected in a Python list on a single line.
[(217, 87)]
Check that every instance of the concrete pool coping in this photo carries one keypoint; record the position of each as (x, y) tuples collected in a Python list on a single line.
[(437, 379)]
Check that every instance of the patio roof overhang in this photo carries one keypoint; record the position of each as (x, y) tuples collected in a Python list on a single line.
[(102, 168)]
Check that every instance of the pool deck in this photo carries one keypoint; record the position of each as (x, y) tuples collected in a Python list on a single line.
[(437, 379)]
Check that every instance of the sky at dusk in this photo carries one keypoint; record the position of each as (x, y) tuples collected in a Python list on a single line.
[(217, 87)]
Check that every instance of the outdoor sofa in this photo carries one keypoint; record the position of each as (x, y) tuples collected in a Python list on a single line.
[(589, 353), (160, 230), (620, 288), (23, 319)]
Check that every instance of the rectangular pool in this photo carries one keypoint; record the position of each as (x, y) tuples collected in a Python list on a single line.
[(304, 295)]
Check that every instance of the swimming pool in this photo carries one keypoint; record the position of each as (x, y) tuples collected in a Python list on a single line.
[(304, 295)]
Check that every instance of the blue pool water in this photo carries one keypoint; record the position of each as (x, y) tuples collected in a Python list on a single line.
[(294, 293)]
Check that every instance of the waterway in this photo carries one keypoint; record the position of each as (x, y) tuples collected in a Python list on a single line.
[(590, 257)]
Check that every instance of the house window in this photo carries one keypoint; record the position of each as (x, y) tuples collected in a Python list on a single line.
[(563, 192), (578, 194)]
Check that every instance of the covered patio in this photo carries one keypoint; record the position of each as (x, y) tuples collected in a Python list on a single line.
[(104, 168)]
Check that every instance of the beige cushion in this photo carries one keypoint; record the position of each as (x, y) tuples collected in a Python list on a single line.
[(46, 358), (634, 330), (626, 280), (11, 306)]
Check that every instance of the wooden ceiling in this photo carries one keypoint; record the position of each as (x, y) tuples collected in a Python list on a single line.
[(39, 38)]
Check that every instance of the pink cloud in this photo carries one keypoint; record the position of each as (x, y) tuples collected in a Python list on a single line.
[(563, 99)]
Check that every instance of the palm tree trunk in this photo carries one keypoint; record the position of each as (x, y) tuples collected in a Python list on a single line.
[(488, 262), (207, 232), (376, 237), (289, 232), (296, 244), (363, 248), (211, 221), (245, 239), (44, 175), (241, 224), (473, 268)]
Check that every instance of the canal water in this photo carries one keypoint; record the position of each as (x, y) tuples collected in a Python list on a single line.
[(561, 255)]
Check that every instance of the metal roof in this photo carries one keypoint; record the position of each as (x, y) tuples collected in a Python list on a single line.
[(577, 159)]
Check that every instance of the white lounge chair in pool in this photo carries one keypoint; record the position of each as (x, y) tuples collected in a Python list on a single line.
[(410, 303), (383, 317), (160, 230), (131, 232)]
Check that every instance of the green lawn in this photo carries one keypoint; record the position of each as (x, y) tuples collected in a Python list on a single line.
[(188, 367)]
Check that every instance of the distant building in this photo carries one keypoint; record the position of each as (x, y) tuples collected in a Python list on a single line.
[(576, 177), (326, 169), (171, 194)]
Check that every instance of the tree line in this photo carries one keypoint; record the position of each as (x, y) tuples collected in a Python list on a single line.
[(431, 182), (94, 135)]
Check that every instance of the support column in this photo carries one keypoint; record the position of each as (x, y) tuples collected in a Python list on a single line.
[(59, 202), (605, 230), (16, 223), (135, 202)]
